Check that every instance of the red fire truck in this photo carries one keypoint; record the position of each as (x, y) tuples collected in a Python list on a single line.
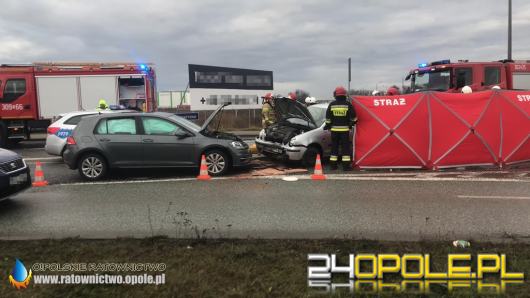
[(451, 77), (32, 95)]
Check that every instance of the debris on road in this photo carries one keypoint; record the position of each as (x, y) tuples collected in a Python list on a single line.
[(290, 179), (461, 243)]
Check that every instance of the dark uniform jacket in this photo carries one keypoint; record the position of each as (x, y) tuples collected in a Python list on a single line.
[(340, 116)]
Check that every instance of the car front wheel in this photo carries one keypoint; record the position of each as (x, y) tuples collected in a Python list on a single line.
[(310, 156), (217, 162), (92, 167)]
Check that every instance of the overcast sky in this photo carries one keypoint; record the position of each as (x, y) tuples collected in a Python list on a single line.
[(305, 43)]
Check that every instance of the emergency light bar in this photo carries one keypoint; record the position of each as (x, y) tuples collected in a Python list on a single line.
[(447, 61), (441, 62)]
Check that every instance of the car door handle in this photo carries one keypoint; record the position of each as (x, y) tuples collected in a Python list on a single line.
[(147, 140), (104, 140)]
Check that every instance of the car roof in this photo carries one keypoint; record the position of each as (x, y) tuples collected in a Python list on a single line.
[(72, 114), (77, 113), (135, 113), (321, 105)]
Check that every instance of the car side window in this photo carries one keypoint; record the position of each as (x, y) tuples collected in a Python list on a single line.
[(13, 89), (157, 126), (117, 126)]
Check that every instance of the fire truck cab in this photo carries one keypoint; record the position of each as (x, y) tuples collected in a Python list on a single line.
[(445, 76), (33, 95)]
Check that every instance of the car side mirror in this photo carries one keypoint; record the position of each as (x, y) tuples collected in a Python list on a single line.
[(183, 134)]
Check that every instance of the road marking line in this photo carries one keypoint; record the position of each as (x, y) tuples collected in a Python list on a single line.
[(494, 197), (279, 177), (43, 158), (128, 182)]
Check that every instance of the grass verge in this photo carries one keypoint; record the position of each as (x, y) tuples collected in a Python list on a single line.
[(236, 268)]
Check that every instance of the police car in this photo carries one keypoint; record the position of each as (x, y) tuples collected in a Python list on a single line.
[(62, 128)]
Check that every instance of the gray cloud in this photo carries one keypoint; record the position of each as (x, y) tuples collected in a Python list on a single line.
[(305, 43)]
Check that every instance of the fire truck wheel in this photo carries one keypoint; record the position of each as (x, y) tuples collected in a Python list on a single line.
[(3, 136), (92, 166)]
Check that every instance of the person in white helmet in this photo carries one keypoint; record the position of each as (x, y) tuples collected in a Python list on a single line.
[(496, 88), (467, 90), (309, 101)]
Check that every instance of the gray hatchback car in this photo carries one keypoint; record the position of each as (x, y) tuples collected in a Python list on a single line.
[(150, 140)]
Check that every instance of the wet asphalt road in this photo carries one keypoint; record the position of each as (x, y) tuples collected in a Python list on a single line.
[(272, 208), (410, 205)]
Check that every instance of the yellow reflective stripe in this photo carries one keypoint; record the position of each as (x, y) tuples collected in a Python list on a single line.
[(339, 129), (333, 158), (339, 111), (339, 106), (328, 121), (346, 158)]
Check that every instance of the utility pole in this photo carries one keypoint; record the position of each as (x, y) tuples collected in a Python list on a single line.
[(349, 74), (509, 29)]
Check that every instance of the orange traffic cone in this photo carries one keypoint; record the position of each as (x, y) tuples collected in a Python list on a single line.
[(203, 174), (39, 176), (318, 174)]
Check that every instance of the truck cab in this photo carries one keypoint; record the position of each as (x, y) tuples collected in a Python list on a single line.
[(445, 76), (33, 95)]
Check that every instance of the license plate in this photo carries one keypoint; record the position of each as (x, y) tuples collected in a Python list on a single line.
[(19, 179)]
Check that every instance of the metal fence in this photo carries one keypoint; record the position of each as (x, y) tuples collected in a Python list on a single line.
[(249, 119)]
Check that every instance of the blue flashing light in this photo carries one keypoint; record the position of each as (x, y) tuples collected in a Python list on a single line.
[(422, 65), (143, 66)]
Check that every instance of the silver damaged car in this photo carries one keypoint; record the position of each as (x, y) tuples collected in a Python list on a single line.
[(298, 134)]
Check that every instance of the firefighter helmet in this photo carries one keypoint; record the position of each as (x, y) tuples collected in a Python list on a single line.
[(496, 87), (393, 90), (340, 91), (467, 90), (310, 100), (267, 96)]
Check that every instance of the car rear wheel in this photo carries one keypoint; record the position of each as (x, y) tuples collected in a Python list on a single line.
[(92, 167), (217, 162)]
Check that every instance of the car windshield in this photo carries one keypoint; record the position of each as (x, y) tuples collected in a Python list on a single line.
[(186, 122), (438, 81), (318, 113)]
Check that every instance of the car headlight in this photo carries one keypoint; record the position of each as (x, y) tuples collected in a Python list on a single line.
[(293, 142), (262, 134), (238, 145)]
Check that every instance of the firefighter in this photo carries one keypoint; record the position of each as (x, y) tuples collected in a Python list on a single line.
[(267, 111), (340, 119), (309, 101), (467, 90), (393, 90), (102, 105)]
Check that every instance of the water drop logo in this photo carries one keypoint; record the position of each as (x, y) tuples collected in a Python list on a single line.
[(19, 277)]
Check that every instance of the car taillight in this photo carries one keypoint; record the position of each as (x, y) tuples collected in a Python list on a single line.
[(70, 141), (52, 130)]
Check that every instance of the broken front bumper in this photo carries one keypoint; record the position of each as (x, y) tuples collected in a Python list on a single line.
[(280, 150)]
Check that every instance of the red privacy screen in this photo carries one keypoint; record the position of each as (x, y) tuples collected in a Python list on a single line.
[(435, 130)]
